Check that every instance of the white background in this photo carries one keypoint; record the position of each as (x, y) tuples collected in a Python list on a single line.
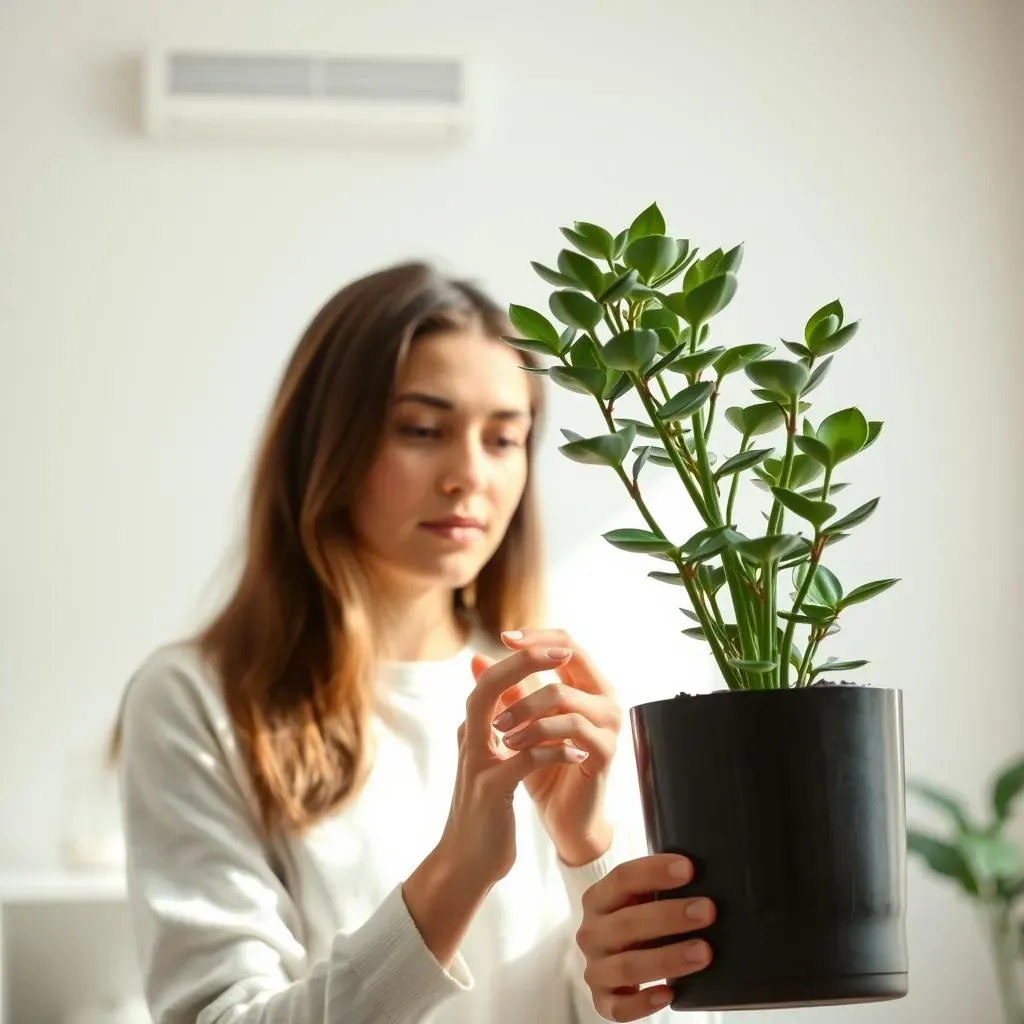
[(149, 295)]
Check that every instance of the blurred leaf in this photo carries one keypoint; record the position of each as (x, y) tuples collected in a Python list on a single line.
[(800, 351), (779, 375), (584, 380), (576, 309), (631, 350), (583, 271), (742, 461), (991, 856), (643, 429), (818, 493), (587, 246), (686, 402), (534, 326), (666, 577), (641, 460), (835, 341), (815, 512), (739, 356), (696, 362), (834, 665), (851, 519), (711, 578), (767, 549), (756, 419), (1007, 788), (866, 591), (649, 222), (705, 300), (528, 345), (603, 450), (817, 375), (559, 280), (641, 541), (943, 859), (757, 667), (945, 802), (619, 288), (651, 255), (844, 433)]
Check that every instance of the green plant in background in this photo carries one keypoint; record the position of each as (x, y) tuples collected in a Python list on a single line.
[(987, 866), (634, 311)]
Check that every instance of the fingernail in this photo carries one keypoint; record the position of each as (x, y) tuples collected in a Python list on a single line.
[(657, 999), (512, 634), (513, 741), (558, 653), (696, 952), (699, 910), (503, 721), (577, 755), (680, 869)]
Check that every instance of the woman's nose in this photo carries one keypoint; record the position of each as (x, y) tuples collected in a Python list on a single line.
[(465, 468)]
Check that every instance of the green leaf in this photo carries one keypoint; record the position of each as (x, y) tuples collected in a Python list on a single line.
[(597, 237), (756, 419), (642, 455), (641, 541), (619, 243), (694, 363), (617, 386), (649, 222), (619, 288), (651, 255), (1007, 788), (730, 261), (631, 350), (779, 375), (800, 351), (802, 471), (711, 578), (943, 859), (576, 309), (757, 667), (587, 246), (851, 519), (992, 856), (667, 359), (743, 460), (866, 591), (528, 345), (817, 375), (666, 577), (815, 449), (821, 329), (584, 380), (768, 549), (874, 429), (660, 317), (844, 433), (687, 402), (739, 356), (534, 326), (835, 341), (603, 450), (545, 273), (829, 310), (705, 300), (642, 428), (583, 352), (825, 589), (582, 270), (815, 512), (946, 802), (818, 493), (834, 665), (709, 542)]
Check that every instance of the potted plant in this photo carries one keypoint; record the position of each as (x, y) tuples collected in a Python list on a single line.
[(988, 867), (786, 791)]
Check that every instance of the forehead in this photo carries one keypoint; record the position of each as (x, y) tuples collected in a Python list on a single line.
[(467, 368)]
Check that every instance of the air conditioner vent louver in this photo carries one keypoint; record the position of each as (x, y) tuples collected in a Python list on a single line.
[(220, 94)]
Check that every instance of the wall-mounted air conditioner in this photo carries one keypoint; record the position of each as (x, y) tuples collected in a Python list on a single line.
[(216, 94)]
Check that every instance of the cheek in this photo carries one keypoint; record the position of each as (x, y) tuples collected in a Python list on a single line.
[(394, 484)]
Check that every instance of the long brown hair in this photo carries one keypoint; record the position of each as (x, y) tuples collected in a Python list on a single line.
[(294, 645)]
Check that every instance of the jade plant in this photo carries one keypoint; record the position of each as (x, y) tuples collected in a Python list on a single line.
[(633, 313), (987, 866)]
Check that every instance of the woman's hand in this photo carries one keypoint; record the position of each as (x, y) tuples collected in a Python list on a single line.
[(579, 711), (478, 845), (620, 916)]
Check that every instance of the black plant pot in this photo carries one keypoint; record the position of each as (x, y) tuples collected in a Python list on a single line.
[(790, 803)]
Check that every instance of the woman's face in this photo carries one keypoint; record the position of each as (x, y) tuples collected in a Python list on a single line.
[(453, 463)]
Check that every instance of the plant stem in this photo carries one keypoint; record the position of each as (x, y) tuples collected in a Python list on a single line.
[(1002, 938), (734, 486), (787, 639)]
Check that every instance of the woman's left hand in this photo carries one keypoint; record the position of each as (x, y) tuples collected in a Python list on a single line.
[(579, 709)]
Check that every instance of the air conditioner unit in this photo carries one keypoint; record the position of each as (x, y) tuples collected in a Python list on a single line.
[(218, 94)]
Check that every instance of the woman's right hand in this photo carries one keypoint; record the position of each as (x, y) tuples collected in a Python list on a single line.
[(478, 845), (620, 920)]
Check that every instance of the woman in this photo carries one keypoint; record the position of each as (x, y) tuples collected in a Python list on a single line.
[(322, 805)]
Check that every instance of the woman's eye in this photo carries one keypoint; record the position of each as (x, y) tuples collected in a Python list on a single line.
[(507, 442), (414, 431)]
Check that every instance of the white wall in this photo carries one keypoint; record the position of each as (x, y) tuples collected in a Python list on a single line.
[(149, 295)]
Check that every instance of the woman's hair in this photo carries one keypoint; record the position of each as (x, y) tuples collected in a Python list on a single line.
[(294, 645)]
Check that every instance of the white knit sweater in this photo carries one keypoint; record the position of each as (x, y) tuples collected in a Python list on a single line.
[(231, 929)]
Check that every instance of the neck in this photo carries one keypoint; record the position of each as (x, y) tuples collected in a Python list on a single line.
[(419, 626)]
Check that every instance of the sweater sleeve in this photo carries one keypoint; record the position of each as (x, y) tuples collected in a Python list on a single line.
[(219, 938)]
